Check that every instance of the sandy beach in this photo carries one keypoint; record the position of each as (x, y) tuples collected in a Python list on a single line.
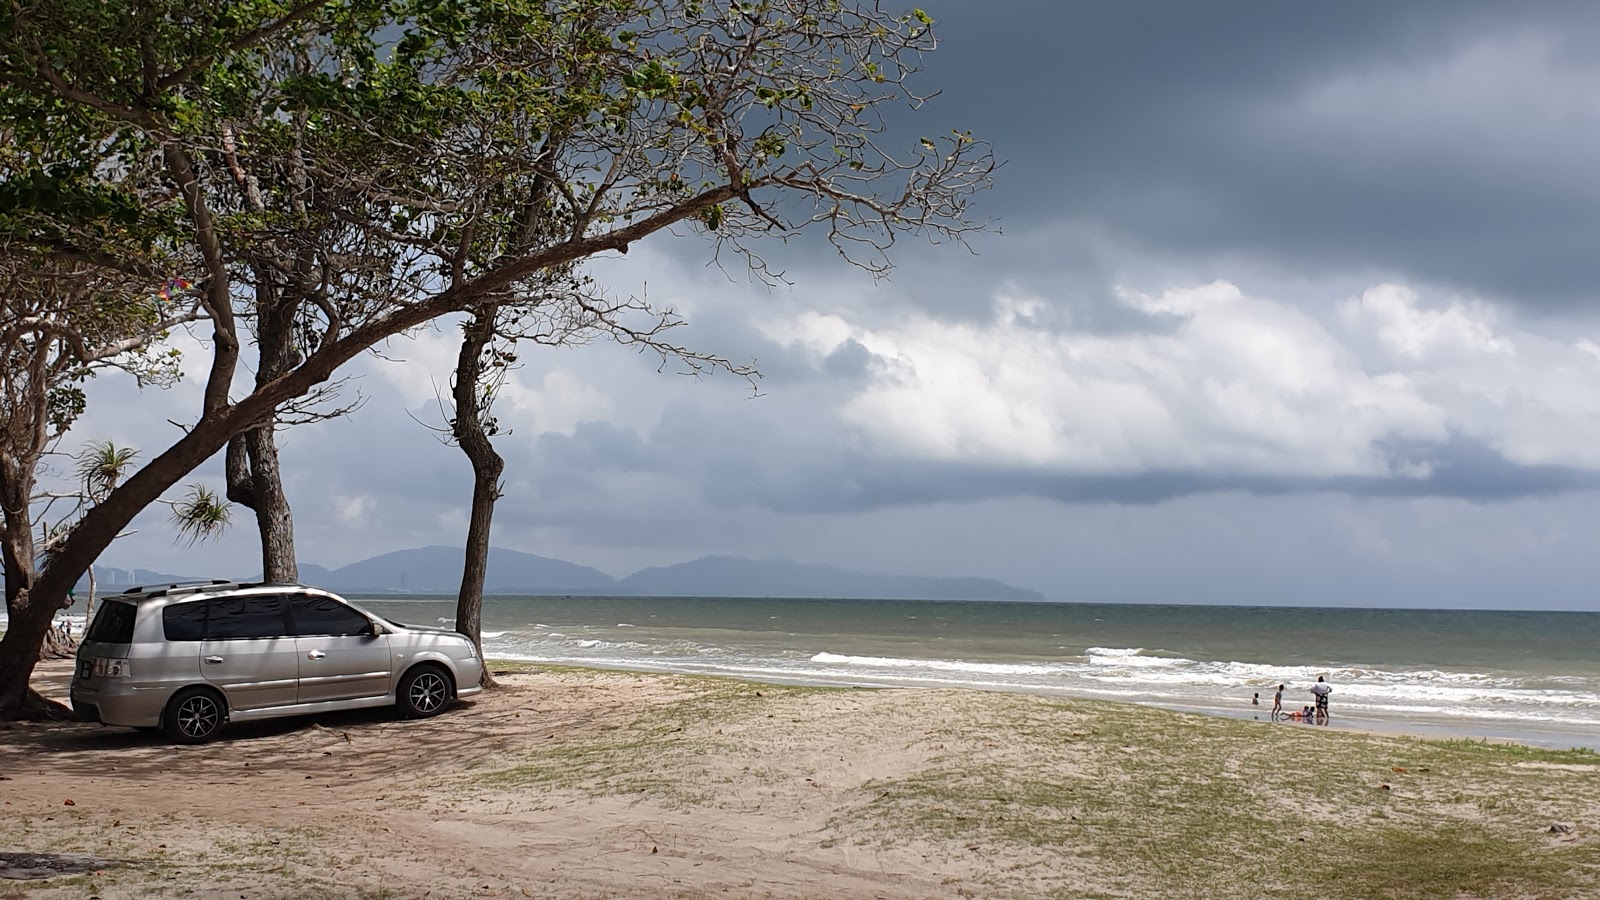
[(581, 783)]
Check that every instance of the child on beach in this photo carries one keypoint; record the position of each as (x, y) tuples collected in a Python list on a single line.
[(1277, 702)]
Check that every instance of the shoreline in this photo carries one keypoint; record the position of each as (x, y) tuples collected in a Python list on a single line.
[(1465, 728), (584, 783)]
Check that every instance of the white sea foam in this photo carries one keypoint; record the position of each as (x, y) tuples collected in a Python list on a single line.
[(1112, 656), (940, 665)]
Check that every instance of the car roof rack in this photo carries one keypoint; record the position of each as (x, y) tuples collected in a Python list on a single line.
[(180, 587)]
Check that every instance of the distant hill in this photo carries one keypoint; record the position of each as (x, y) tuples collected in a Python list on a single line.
[(727, 576), (437, 570), (112, 580)]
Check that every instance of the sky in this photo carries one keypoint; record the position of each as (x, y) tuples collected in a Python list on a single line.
[(1282, 304)]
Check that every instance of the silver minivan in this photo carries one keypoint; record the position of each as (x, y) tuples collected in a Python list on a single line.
[(186, 659)]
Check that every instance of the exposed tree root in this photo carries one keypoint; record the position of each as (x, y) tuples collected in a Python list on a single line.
[(36, 707)]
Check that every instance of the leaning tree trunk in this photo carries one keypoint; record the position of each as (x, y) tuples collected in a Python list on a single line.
[(469, 432), (19, 653), (28, 621), (27, 628)]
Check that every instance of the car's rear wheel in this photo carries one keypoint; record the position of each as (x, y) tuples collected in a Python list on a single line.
[(194, 715), (424, 691)]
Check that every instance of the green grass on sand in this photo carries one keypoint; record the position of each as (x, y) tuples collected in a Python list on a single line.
[(1091, 798)]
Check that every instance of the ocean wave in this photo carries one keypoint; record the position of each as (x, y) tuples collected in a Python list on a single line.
[(1115, 656), (941, 665)]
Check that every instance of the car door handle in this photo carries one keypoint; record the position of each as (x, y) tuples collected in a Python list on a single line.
[(214, 660), (315, 654)]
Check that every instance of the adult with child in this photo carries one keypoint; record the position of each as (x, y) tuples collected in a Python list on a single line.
[(1321, 690)]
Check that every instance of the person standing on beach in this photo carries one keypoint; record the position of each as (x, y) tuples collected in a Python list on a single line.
[(1321, 690), (1277, 703)]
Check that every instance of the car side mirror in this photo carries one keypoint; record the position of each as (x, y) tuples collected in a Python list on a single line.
[(374, 629)]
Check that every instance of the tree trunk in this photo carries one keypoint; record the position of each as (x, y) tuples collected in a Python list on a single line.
[(470, 433), (28, 622), (28, 625), (88, 605), (273, 517), (255, 480)]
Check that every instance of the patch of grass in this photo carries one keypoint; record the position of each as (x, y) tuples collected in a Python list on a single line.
[(1456, 860), (515, 666), (1184, 805), (1501, 751), (657, 751)]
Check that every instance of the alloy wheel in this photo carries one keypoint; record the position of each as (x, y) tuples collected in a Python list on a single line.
[(428, 692), (198, 716)]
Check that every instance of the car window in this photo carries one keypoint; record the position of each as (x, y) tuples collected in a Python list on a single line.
[(234, 618), (113, 624), (325, 616), (184, 621)]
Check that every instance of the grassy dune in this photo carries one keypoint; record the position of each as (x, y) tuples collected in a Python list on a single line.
[(1089, 798)]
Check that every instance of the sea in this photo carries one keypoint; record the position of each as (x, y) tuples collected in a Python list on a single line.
[(1526, 676)]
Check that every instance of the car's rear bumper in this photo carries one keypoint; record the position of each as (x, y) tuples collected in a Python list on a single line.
[(114, 704)]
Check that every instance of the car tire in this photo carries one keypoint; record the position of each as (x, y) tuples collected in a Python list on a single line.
[(424, 691), (194, 715)]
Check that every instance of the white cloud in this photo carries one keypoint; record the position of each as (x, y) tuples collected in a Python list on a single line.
[(1234, 385), (1222, 383), (1410, 330), (352, 510), (559, 401)]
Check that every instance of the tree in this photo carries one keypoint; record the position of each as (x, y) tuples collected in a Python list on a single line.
[(60, 323), (487, 357), (421, 123)]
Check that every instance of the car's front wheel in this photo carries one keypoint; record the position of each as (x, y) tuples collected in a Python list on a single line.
[(194, 715), (424, 691)]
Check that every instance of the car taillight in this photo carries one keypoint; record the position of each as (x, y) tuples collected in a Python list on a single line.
[(112, 668)]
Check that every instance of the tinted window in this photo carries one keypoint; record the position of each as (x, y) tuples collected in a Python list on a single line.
[(324, 615), (113, 624), (245, 617), (185, 621)]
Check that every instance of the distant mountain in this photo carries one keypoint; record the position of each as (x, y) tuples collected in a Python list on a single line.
[(112, 580), (437, 570), (310, 573), (727, 576)]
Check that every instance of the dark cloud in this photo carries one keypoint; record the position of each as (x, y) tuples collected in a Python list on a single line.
[(1180, 129)]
